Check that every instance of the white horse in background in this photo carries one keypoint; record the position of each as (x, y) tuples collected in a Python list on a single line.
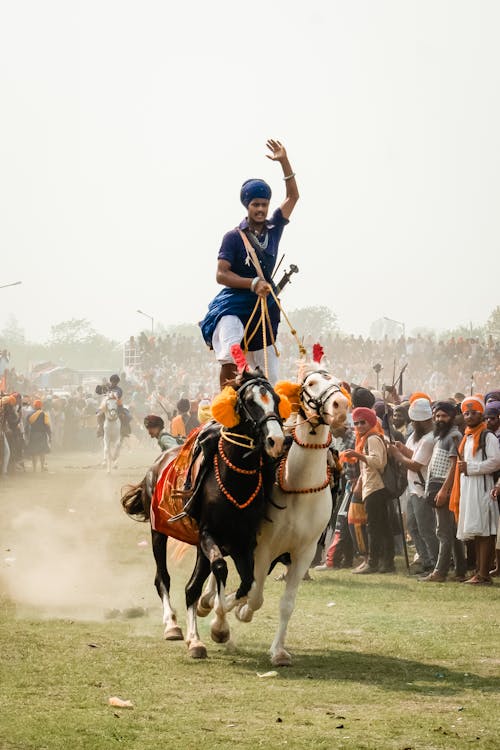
[(303, 492), (112, 430)]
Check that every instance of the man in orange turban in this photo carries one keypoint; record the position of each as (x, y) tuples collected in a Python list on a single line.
[(471, 500)]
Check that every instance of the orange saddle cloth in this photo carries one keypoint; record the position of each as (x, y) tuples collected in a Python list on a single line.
[(168, 500)]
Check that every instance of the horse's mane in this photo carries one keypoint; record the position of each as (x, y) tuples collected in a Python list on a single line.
[(244, 376)]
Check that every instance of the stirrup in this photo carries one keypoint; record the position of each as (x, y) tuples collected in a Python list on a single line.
[(178, 517), (184, 512)]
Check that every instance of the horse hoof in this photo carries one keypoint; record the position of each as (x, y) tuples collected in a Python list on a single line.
[(244, 614), (173, 634), (219, 636), (198, 651), (204, 607), (281, 659)]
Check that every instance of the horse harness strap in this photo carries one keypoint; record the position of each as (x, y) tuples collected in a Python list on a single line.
[(241, 404), (317, 403)]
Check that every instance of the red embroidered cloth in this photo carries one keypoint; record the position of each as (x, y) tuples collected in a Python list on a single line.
[(166, 503)]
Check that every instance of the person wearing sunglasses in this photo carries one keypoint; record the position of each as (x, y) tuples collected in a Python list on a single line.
[(371, 454)]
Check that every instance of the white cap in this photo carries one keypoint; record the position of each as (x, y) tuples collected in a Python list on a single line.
[(420, 410)]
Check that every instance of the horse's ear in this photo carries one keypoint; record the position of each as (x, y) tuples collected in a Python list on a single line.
[(292, 393), (224, 407)]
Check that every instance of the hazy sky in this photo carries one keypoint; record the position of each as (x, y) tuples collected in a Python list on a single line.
[(127, 128)]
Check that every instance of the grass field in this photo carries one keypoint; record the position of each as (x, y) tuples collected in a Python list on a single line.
[(379, 662)]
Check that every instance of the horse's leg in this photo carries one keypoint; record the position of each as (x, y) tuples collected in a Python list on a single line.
[(196, 648), (162, 582), (279, 656), (255, 598), (116, 448), (244, 565), (206, 601), (219, 627)]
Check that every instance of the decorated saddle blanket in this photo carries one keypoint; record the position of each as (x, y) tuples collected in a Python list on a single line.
[(169, 493)]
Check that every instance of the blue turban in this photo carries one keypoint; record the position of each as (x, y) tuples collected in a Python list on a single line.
[(252, 189), (492, 396)]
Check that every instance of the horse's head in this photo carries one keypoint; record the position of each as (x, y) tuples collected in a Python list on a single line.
[(252, 407), (322, 399)]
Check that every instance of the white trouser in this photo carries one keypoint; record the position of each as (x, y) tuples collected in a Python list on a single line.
[(228, 331)]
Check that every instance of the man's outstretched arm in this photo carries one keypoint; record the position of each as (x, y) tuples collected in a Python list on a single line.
[(278, 153)]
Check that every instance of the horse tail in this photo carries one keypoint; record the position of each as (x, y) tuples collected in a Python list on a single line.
[(136, 501)]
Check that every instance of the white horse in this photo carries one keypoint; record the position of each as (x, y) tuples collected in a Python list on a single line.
[(112, 427), (303, 492)]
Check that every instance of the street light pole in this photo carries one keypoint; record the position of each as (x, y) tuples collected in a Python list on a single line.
[(150, 318), (13, 283)]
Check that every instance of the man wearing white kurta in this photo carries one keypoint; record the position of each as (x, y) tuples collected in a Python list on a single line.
[(479, 457)]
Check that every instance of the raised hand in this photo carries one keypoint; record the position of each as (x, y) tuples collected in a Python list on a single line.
[(278, 151)]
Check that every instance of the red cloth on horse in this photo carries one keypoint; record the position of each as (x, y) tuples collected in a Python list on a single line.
[(167, 503)]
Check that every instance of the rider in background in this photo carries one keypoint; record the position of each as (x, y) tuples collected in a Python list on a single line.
[(229, 312), (123, 413)]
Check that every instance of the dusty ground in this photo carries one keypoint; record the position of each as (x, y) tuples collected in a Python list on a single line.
[(66, 547)]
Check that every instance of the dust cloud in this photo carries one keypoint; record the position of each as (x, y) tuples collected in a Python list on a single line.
[(69, 550)]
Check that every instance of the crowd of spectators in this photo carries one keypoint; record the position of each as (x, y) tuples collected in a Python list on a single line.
[(159, 371)]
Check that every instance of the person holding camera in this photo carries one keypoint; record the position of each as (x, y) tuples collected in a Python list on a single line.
[(245, 265), (438, 486), (415, 455)]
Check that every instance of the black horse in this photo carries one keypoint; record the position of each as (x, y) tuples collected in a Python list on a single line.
[(229, 501)]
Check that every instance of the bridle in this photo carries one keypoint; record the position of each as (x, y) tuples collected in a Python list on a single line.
[(251, 443), (243, 410), (112, 411), (317, 403)]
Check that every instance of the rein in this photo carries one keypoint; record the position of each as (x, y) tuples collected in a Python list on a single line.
[(264, 320), (230, 437)]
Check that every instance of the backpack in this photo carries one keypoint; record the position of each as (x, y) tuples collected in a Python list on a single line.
[(394, 475)]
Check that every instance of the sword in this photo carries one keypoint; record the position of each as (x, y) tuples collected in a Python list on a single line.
[(285, 279)]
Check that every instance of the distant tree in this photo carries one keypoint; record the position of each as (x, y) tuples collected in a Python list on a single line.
[(13, 334), (75, 343), (74, 331), (318, 321)]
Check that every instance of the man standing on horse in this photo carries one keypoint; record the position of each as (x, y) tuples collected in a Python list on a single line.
[(246, 261), (123, 413)]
